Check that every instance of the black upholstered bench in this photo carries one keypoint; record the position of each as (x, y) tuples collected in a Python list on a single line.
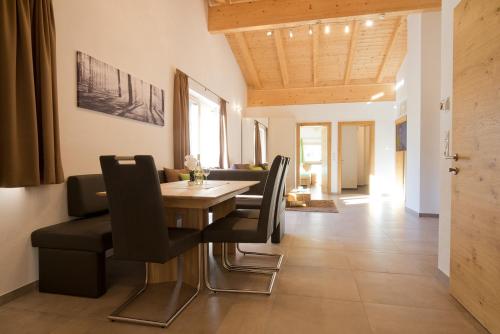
[(71, 255)]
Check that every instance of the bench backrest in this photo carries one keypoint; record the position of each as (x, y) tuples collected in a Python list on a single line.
[(82, 198)]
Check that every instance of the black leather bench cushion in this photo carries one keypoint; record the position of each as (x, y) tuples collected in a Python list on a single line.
[(82, 198), (87, 234), (233, 229)]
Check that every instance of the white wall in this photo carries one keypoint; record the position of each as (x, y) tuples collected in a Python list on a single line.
[(431, 96), (148, 39), (281, 133), (421, 74), (445, 126), (382, 113)]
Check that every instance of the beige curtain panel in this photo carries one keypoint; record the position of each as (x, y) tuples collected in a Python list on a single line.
[(258, 144), (181, 118), (29, 130), (223, 144)]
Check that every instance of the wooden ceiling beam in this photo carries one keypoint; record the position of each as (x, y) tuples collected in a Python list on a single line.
[(315, 51), (272, 14), (247, 59), (319, 95), (280, 50), (352, 51), (388, 50)]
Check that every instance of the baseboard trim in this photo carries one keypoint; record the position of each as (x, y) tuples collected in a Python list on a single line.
[(421, 214), (430, 215), (411, 211), (9, 296), (443, 278)]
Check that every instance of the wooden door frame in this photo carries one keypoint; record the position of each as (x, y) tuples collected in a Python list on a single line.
[(371, 125), (328, 126), (398, 121)]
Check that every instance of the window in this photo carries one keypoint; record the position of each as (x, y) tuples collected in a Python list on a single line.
[(204, 129), (312, 153)]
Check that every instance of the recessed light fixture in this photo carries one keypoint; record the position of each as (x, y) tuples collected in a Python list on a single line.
[(290, 33), (347, 29), (399, 84), (269, 33), (369, 102), (377, 96), (395, 107), (382, 16), (327, 29), (310, 30), (369, 23)]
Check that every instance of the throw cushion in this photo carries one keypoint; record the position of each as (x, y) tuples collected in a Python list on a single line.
[(174, 175), (184, 177)]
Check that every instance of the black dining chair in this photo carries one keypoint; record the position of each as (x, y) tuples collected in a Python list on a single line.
[(254, 214), (139, 227), (248, 206), (234, 229)]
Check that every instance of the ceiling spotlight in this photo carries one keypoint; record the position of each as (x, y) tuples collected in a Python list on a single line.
[(269, 33), (377, 96), (347, 29), (327, 29), (290, 33), (369, 23), (310, 30)]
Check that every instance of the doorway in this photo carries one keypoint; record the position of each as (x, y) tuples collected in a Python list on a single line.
[(356, 156), (313, 149)]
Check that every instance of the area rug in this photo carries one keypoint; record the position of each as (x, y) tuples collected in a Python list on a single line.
[(316, 206)]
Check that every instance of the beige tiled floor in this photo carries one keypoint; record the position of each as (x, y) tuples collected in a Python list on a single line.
[(368, 269)]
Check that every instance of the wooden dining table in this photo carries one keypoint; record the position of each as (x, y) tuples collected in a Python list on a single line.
[(190, 206)]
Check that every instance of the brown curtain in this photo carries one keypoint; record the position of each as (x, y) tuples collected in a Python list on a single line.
[(29, 125), (181, 119), (258, 145), (223, 145)]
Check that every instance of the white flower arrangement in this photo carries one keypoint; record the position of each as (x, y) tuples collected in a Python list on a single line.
[(190, 162)]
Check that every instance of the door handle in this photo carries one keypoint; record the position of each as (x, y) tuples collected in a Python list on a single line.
[(451, 157), (453, 170)]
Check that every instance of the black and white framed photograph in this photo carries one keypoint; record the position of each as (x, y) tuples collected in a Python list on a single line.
[(105, 88)]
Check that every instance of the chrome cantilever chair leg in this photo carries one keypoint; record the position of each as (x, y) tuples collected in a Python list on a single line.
[(233, 267), (214, 289), (116, 317)]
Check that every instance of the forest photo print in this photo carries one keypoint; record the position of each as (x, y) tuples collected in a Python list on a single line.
[(104, 88)]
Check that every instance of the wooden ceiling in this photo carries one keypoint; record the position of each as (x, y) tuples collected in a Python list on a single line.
[(324, 61)]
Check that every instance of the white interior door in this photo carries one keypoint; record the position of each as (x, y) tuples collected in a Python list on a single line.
[(349, 157)]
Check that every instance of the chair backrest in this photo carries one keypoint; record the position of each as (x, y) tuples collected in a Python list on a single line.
[(136, 208), (281, 189), (268, 206)]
